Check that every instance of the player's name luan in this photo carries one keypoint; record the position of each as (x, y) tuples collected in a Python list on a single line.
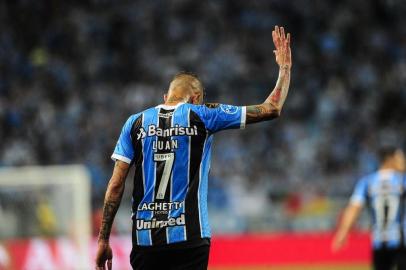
[(168, 132), (159, 206), (154, 224), (168, 145)]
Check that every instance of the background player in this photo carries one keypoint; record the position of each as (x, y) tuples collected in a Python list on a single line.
[(169, 146), (384, 191)]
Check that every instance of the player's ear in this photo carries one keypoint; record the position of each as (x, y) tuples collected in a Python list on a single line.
[(197, 99), (165, 97), (201, 98)]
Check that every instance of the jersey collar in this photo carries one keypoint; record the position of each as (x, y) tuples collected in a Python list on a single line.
[(169, 107)]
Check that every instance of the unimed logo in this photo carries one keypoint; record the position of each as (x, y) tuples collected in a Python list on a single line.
[(154, 224)]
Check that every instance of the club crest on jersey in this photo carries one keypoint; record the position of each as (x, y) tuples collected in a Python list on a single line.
[(177, 130), (229, 109)]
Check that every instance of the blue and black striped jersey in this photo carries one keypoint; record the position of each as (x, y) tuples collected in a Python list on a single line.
[(170, 147), (384, 192)]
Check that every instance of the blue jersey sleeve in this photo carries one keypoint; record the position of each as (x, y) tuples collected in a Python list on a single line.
[(222, 117), (359, 195), (124, 149)]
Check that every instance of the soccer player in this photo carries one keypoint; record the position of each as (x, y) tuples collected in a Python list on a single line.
[(170, 147), (384, 192)]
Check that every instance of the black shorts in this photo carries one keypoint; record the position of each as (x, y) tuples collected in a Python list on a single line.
[(190, 258), (389, 258)]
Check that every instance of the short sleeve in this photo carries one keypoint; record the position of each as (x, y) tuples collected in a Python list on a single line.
[(221, 117), (360, 192), (124, 149)]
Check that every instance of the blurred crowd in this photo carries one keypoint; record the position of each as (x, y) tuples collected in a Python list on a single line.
[(71, 74)]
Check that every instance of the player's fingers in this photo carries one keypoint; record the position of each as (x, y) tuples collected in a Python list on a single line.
[(282, 33), (275, 35), (99, 264), (275, 38), (289, 56), (275, 42), (338, 244), (288, 39), (278, 34), (281, 38), (285, 45), (336, 247)]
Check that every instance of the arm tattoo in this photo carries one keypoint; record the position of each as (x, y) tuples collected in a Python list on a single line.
[(109, 212), (262, 112), (114, 193), (276, 97), (279, 94), (272, 106), (212, 105)]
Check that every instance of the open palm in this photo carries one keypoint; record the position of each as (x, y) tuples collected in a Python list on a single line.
[(282, 50)]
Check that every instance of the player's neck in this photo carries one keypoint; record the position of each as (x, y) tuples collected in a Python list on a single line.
[(174, 100), (173, 103)]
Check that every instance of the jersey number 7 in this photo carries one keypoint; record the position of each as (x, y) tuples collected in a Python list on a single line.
[(168, 158)]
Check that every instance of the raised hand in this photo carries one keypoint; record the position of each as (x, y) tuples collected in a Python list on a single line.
[(282, 50), (272, 106)]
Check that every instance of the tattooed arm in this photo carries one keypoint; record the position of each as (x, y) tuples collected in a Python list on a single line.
[(112, 202), (272, 106)]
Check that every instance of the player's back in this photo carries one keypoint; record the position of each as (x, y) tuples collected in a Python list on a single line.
[(384, 193), (170, 148)]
